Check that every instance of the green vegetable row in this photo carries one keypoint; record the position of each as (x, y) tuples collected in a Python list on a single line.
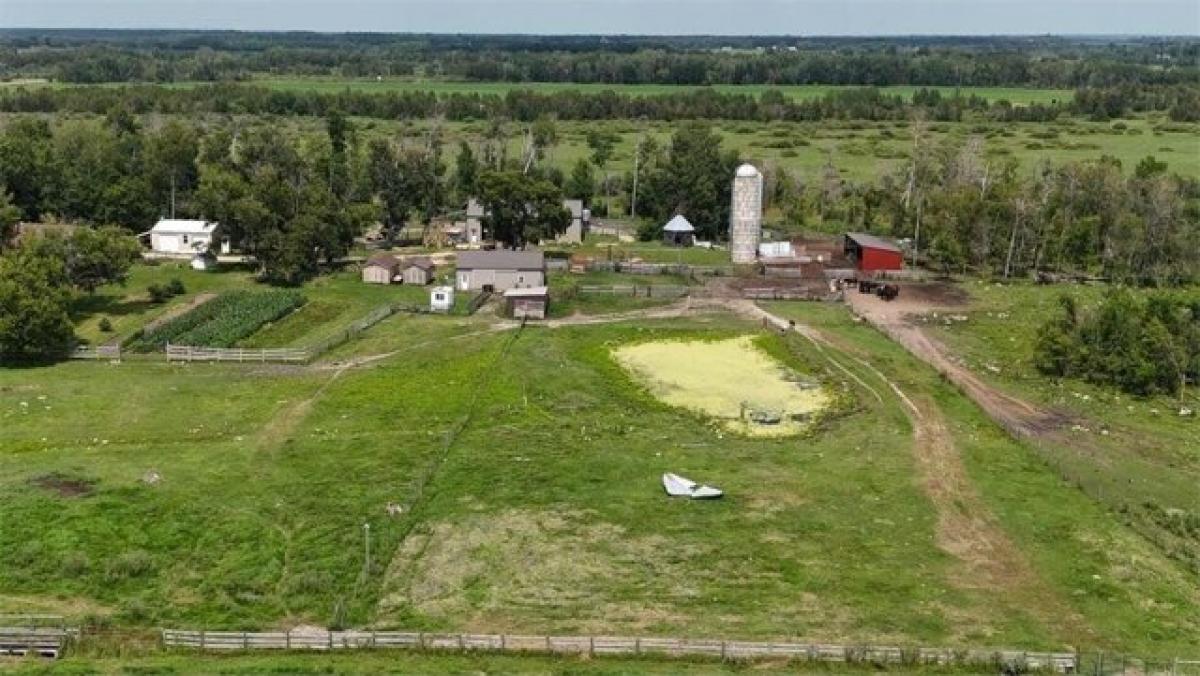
[(224, 320)]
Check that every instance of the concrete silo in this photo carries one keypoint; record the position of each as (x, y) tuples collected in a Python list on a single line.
[(745, 214)]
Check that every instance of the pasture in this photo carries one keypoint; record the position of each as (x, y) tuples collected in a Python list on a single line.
[(329, 85), (525, 466), (1149, 454)]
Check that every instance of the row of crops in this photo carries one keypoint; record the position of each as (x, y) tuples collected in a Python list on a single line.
[(222, 321)]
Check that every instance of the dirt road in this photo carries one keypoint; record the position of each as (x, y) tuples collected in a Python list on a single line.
[(1019, 417), (966, 528)]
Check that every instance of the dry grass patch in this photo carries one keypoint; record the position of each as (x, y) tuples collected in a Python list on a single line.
[(487, 571)]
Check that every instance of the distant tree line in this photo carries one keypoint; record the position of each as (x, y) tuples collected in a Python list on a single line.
[(166, 56), (526, 105), (967, 212)]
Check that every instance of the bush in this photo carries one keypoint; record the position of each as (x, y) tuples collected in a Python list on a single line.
[(106, 325), (158, 293), (176, 287)]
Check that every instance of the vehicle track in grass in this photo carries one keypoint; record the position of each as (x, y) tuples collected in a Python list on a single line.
[(990, 561)]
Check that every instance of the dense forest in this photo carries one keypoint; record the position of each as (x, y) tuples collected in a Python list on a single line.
[(174, 56)]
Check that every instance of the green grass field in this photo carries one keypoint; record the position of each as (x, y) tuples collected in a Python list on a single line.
[(1145, 457), (528, 467)]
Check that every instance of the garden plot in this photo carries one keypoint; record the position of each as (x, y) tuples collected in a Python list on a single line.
[(732, 381)]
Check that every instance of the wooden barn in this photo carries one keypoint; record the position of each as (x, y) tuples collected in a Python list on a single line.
[(872, 254)]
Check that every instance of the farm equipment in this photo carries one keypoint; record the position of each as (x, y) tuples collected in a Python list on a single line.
[(888, 292)]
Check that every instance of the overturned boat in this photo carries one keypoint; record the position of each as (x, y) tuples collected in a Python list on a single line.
[(683, 487)]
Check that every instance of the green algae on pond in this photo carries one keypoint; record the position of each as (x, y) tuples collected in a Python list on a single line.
[(731, 380)]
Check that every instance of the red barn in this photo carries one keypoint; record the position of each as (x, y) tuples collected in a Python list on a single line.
[(871, 253)]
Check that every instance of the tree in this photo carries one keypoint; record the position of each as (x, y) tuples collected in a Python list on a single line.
[(694, 179), (92, 257), (466, 172), (35, 322), (582, 183), (25, 164), (170, 161), (10, 216), (521, 208)]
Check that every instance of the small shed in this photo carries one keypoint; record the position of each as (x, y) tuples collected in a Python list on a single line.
[(441, 298), (872, 254), (679, 232), (530, 303), (417, 271), (381, 269)]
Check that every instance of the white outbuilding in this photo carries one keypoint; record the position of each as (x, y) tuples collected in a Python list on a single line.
[(679, 232), (441, 298), (182, 236)]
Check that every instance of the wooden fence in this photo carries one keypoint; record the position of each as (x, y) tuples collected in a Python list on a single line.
[(780, 294), (612, 645), (45, 635), (112, 351), (647, 291), (236, 354), (660, 268)]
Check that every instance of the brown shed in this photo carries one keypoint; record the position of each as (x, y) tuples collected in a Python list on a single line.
[(529, 303)]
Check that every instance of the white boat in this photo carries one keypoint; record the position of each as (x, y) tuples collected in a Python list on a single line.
[(679, 486)]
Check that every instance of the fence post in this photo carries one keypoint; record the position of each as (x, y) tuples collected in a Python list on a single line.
[(637, 646), (245, 641), (201, 639), (461, 644), (591, 646), (329, 635), (287, 640), (503, 643), (548, 644), (722, 651)]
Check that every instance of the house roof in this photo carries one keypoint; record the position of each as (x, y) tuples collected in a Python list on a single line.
[(422, 262), (183, 226), (475, 208), (678, 224), (747, 171), (383, 261), (530, 292), (871, 242), (501, 259)]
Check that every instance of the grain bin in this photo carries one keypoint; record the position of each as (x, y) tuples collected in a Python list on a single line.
[(745, 214)]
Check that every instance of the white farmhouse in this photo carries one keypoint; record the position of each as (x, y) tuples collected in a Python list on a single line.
[(179, 236)]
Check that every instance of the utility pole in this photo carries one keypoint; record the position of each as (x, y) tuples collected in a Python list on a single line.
[(172, 195), (637, 155), (367, 550)]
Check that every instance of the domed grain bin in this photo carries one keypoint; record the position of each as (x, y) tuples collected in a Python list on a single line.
[(745, 214)]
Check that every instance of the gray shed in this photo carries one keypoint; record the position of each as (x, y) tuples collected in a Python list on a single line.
[(500, 270)]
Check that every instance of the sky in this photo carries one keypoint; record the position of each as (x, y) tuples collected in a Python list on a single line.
[(671, 17)]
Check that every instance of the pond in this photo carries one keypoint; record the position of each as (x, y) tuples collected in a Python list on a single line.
[(732, 381)]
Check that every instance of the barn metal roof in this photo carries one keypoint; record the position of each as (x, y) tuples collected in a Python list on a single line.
[(183, 226), (501, 259), (871, 242)]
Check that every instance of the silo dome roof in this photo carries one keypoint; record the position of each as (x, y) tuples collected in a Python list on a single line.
[(747, 171)]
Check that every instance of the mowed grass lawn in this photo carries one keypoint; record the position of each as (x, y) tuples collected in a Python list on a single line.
[(528, 467)]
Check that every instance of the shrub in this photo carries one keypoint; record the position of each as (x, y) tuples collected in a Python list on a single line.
[(158, 293), (176, 287), (106, 325)]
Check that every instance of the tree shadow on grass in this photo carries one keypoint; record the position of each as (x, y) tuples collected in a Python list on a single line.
[(115, 306)]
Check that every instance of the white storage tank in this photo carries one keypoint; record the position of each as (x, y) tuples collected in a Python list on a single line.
[(745, 214)]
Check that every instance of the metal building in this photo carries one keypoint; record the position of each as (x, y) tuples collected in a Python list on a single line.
[(745, 214)]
